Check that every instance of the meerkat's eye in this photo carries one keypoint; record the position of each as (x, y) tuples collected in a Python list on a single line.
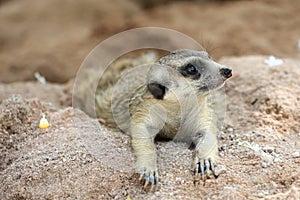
[(190, 70)]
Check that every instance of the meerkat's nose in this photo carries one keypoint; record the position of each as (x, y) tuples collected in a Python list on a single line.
[(226, 72)]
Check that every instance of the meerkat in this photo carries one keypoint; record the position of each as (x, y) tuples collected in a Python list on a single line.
[(170, 99)]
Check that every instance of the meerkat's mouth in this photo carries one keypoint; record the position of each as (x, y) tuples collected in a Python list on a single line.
[(206, 89)]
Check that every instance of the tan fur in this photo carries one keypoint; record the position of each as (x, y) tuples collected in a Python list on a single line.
[(185, 113)]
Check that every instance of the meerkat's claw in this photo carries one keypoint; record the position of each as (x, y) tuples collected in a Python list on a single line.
[(212, 167), (149, 177), (205, 166)]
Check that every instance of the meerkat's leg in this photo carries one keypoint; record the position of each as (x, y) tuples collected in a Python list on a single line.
[(144, 148), (144, 127), (206, 153), (206, 142)]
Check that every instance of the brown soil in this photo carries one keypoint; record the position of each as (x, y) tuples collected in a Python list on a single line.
[(77, 158)]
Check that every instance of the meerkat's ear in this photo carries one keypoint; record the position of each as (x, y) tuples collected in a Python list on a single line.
[(157, 90), (158, 80)]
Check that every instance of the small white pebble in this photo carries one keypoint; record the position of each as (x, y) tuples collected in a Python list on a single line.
[(40, 78), (273, 61), (255, 148), (230, 129), (220, 170), (296, 154)]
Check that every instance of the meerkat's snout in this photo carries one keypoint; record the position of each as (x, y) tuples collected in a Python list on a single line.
[(226, 72)]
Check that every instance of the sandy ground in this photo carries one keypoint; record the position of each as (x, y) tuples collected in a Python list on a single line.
[(77, 158)]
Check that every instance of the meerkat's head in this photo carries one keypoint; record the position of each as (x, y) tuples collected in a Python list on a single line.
[(194, 68)]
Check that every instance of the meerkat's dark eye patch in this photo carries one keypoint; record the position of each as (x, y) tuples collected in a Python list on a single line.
[(157, 90), (190, 70)]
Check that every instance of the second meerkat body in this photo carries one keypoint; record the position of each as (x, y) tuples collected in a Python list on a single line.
[(170, 99)]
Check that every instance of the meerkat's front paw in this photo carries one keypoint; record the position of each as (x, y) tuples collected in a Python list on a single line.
[(149, 176), (206, 155), (147, 169)]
